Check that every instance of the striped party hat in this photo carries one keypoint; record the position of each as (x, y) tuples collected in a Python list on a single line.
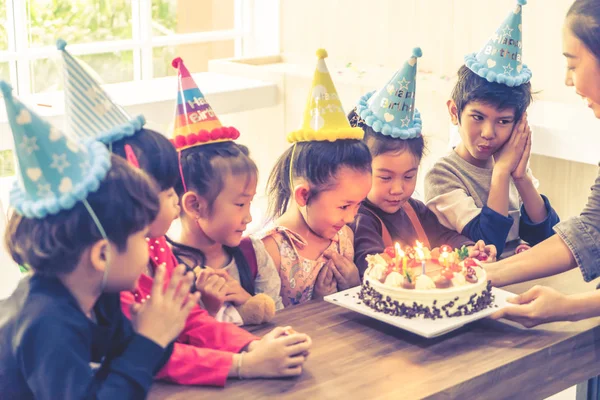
[(195, 121), (90, 113)]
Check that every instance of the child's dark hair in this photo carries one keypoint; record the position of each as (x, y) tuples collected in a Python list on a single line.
[(125, 203), (318, 162), (204, 170), (156, 155), (584, 21), (381, 144), (470, 87)]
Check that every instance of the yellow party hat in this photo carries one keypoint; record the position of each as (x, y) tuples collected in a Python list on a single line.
[(324, 117)]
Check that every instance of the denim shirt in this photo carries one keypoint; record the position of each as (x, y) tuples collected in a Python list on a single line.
[(582, 235)]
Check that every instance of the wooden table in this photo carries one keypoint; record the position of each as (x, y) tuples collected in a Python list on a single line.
[(356, 357)]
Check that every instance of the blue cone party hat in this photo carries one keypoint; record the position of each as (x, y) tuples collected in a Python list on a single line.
[(55, 172), (391, 110), (90, 113), (501, 59)]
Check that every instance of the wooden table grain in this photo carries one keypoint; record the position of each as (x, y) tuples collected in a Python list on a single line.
[(356, 357)]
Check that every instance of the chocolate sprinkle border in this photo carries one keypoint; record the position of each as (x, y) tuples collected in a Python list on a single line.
[(386, 305)]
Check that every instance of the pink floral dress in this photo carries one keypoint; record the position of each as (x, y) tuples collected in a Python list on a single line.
[(299, 274)]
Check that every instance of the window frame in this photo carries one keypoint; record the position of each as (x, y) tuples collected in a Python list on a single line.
[(142, 43)]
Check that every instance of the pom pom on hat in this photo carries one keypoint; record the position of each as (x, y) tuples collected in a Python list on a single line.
[(322, 53), (61, 44), (522, 2), (417, 52), (176, 62)]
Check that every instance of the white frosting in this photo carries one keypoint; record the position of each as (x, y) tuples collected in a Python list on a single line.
[(394, 279), (425, 293), (377, 267), (459, 279), (479, 272), (424, 282)]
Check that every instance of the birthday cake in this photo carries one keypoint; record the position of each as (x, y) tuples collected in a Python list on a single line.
[(419, 283)]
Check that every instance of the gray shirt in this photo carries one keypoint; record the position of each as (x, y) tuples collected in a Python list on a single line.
[(457, 191)]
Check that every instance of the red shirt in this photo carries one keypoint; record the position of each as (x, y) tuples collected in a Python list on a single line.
[(203, 352)]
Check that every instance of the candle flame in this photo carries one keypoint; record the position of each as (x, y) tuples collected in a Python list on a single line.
[(419, 250), (399, 252), (420, 253)]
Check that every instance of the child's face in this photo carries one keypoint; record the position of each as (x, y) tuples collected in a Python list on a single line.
[(126, 267), (168, 212), (583, 70), (230, 213), (394, 180), (483, 130), (328, 211)]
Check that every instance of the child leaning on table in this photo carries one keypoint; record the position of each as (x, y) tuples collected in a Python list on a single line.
[(390, 214)]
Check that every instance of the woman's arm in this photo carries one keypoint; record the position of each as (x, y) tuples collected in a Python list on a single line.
[(550, 257)]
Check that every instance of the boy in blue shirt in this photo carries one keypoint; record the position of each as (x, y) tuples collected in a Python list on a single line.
[(80, 222), (484, 189)]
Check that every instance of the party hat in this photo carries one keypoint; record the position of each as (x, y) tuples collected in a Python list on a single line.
[(501, 59), (324, 118), (195, 121), (391, 110), (54, 171), (89, 111)]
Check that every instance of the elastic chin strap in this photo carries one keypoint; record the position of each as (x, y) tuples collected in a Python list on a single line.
[(103, 233), (291, 170), (181, 171), (130, 155)]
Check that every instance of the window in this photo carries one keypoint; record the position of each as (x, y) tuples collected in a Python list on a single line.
[(122, 40)]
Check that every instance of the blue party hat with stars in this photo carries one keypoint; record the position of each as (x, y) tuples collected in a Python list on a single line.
[(391, 110), (501, 59), (55, 172), (89, 111)]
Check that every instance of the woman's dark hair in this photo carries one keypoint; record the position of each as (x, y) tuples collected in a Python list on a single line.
[(156, 155), (204, 169), (584, 22), (125, 203), (318, 162), (470, 87), (381, 144)]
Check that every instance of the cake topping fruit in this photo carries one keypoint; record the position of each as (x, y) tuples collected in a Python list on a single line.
[(441, 282)]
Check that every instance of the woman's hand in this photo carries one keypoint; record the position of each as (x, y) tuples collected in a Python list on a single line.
[(538, 305)]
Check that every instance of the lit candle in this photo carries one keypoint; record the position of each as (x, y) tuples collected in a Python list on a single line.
[(399, 253), (420, 256), (445, 256)]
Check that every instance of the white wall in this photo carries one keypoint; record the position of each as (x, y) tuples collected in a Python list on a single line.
[(382, 32)]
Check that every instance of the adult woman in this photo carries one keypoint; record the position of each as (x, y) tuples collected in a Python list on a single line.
[(577, 241)]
